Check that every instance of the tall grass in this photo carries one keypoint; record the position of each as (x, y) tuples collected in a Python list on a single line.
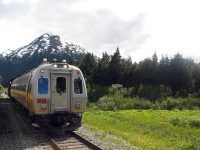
[(150, 129), (112, 103)]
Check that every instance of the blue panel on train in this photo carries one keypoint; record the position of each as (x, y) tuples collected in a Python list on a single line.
[(42, 86)]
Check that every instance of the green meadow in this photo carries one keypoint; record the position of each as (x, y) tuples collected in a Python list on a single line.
[(149, 129)]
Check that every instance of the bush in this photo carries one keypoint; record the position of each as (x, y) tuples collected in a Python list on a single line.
[(122, 92), (181, 93), (113, 103), (96, 91), (143, 104), (154, 92), (195, 123), (179, 122), (124, 98), (92, 107), (184, 122), (179, 103), (107, 103), (170, 103)]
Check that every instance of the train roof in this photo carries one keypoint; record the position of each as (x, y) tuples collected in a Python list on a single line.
[(47, 65), (60, 65)]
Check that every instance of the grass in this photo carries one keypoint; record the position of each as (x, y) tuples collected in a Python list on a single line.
[(3, 90), (150, 129)]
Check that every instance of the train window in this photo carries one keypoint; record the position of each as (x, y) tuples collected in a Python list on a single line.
[(78, 86), (61, 85), (43, 86)]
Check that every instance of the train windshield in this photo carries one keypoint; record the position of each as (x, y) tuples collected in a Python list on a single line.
[(43, 86), (61, 85), (78, 86)]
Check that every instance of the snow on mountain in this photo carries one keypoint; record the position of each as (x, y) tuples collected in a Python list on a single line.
[(6, 52), (46, 43)]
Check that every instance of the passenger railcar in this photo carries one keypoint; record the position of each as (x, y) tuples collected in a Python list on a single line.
[(52, 93)]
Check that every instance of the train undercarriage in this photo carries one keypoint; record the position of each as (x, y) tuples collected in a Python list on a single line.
[(71, 121)]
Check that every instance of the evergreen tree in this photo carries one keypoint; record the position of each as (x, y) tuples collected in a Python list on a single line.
[(88, 67), (163, 71), (147, 71), (102, 74), (127, 73), (115, 67), (180, 75)]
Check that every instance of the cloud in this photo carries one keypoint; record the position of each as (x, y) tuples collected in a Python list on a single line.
[(97, 30), (13, 9)]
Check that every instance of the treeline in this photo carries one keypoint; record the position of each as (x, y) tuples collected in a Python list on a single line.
[(150, 79), (13, 66)]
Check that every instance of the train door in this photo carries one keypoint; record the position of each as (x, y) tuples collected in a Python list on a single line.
[(60, 92)]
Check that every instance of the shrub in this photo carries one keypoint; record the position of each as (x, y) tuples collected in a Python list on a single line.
[(195, 123), (170, 103), (181, 93), (143, 104), (113, 103), (92, 107), (184, 122), (123, 98), (107, 103), (179, 122), (96, 91), (154, 92)]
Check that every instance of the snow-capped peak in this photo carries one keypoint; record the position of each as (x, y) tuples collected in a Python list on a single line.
[(6, 52), (46, 43), (47, 35)]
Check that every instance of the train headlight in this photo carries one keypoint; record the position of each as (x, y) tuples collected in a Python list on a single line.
[(65, 66), (42, 71), (55, 65), (77, 105)]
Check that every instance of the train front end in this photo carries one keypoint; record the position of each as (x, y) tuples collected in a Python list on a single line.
[(60, 95)]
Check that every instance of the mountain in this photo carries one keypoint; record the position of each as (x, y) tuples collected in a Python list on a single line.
[(15, 62), (46, 43)]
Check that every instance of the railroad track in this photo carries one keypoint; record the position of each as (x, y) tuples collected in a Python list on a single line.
[(50, 138), (62, 141)]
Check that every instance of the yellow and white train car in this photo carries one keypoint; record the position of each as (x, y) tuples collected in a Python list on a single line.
[(52, 93)]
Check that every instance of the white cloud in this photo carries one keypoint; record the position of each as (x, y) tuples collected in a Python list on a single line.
[(139, 28), (16, 36)]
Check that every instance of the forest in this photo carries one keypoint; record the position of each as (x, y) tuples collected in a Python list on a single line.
[(152, 83), (168, 83)]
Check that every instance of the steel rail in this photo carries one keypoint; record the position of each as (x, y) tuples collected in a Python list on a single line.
[(53, 143), (84, 141)]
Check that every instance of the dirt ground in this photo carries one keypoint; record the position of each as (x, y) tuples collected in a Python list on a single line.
[(14, 132)]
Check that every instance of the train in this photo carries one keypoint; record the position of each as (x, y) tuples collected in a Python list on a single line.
[(53, 93)]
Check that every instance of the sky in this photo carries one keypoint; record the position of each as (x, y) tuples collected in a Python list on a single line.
[(138, 27)]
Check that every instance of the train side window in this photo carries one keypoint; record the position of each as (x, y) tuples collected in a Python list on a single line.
[(61, 85), (43, 85), (78, 88)]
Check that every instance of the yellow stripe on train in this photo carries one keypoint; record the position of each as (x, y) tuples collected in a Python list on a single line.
[(22, 96)]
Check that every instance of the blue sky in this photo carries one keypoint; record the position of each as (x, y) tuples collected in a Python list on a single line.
[(139, 28)]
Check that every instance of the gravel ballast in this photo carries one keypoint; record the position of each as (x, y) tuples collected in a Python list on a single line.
[(105, 141), (15, 133)]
